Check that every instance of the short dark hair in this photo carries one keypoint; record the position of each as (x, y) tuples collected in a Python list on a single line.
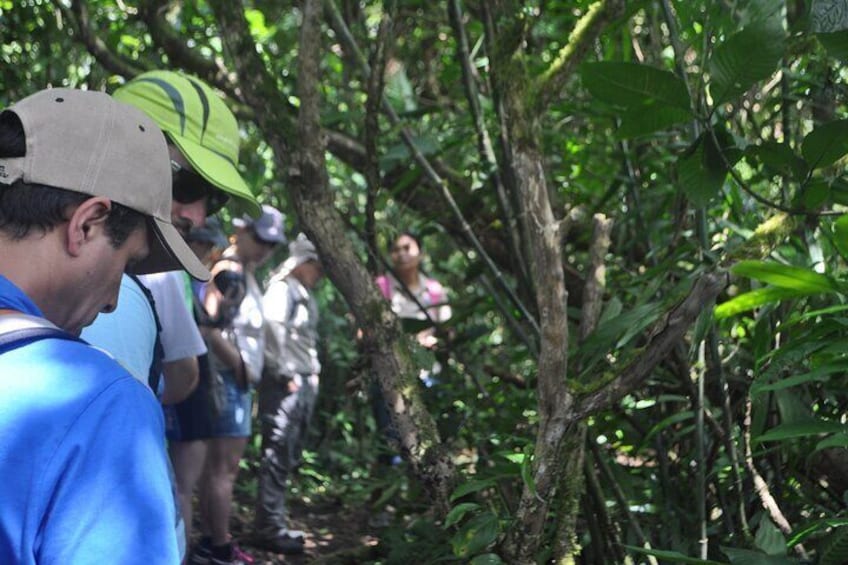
[(25, 207)]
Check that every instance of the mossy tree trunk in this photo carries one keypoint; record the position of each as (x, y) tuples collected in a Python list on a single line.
[(558, 451)]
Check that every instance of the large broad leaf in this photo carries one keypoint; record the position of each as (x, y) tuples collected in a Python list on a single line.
[(836, 43), (748, 557), (644, 121), (755, 299), (635, 86), (476, 535), (840, 234), (801, 429), (839, 191), (746, 57), (826, 144), (785, 276), (769, 539), (833, 549), (696, 178), (778, 158)]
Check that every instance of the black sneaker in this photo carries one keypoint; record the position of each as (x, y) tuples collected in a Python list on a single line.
[(200, 555), (234, 557), (291, 543)]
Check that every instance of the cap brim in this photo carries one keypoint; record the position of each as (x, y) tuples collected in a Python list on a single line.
[(169, 252), (220, 172)]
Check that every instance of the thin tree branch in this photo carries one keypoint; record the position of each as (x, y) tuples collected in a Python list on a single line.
[(213, 71), (251, 70), (593, 292), (549, 85), (111, 61), (761, 487), (375, 87), (484, 142), (666, 334)]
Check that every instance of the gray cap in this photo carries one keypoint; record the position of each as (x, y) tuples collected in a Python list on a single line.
[(87, 142), (301, 250), (269, 226)]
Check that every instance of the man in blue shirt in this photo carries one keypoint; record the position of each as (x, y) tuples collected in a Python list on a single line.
[(85, 194)]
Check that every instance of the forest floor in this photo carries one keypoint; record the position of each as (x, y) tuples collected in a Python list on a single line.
[(342, 526), (334, 534)]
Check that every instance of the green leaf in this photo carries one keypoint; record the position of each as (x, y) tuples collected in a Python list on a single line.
[(826, 144), (785, 276), (778, 158), (840, 234), (458, 512), (470, 487), (815, 194), (667, 422), (754, 299), (486, 559), (816, 526), (696, 178), (839, 191), (527, 469), (643, 121), (748, 557), (672, 556), (631, 85), (836, 440), (746, 57), (476, 535), (833, 550), (835, 43), (769, 539), (802, 429), (818, 374), (618, 331)]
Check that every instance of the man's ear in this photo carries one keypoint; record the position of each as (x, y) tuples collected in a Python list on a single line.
[(87, 222)]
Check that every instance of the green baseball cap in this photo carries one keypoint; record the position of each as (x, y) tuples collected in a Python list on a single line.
[(198, 122)]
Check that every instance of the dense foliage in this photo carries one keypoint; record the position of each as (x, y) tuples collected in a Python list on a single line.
[(679, 144)]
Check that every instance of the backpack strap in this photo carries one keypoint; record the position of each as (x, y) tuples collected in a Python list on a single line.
[(18, 329), (155, 371), (296, 299)]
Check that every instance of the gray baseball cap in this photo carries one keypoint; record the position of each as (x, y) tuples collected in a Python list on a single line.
[(268, 226), (87, 142)]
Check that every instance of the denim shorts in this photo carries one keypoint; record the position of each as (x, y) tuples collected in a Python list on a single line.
[(235, 413), (203, 415)]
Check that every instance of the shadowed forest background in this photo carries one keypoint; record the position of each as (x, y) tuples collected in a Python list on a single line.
[(638, 208)]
